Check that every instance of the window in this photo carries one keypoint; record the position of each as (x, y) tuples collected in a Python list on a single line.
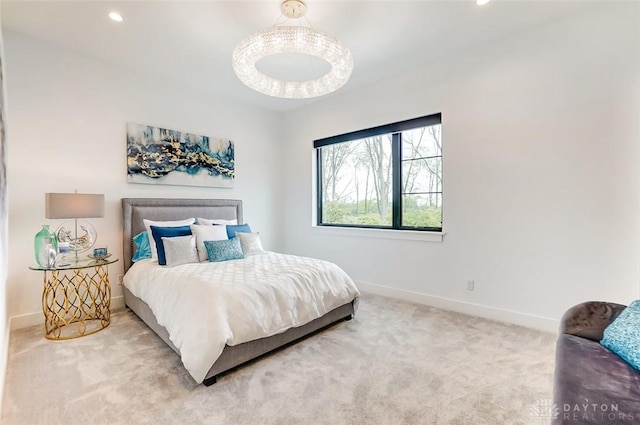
[(384, 177)]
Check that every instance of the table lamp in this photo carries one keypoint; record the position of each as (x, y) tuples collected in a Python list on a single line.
[(75, 206)]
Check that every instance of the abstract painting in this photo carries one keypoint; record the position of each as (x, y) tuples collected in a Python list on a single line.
[(161, 156)]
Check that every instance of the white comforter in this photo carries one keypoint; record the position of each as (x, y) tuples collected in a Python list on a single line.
[(206, 305)]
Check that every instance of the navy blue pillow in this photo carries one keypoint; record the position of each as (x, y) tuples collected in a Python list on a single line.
[(241, 228), (167, 232)]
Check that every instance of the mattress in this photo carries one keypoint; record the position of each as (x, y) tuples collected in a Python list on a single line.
[(206, 306)]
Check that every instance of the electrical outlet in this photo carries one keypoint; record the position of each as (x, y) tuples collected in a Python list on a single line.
[(471, 285), (120, 277)]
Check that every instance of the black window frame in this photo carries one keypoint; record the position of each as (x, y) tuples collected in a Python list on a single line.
[(395, 129)]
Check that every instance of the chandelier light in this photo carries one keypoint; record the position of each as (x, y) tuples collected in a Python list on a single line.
[(292, 39)]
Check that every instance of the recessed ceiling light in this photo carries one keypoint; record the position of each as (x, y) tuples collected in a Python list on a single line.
[(482, 2), (115, 16)]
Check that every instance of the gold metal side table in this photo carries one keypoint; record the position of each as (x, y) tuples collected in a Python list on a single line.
[(76, 298)]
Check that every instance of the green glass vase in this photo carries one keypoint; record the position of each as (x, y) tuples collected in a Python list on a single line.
[(45, 247)]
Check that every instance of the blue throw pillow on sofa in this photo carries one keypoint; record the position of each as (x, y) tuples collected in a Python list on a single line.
[(167, 232), (622, 336)]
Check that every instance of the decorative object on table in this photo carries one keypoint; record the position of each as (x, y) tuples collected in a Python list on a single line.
[(63, 252), (45, 247), (161, 156), (298, 40), (100, 254), (80, 235)]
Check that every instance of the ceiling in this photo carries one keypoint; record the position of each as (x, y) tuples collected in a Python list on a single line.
[(190, 42)]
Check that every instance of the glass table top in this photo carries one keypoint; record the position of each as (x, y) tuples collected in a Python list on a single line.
[(80, 263)]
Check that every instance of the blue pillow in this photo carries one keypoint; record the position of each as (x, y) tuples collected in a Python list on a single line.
[(225, 250), (622, 336), (232, 229), (143, 249), (167, 232)]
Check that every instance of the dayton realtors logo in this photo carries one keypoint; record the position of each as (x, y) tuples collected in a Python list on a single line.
[(595, 412), (544, 411)]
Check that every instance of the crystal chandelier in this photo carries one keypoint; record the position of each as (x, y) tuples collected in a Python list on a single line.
[(292, 39)]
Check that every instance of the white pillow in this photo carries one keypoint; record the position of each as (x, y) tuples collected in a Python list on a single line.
[(205, 232), (216, 221), (180, 250), (175, 223), (250, 243)]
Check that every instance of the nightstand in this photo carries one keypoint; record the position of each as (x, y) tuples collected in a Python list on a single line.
[(76, 298)]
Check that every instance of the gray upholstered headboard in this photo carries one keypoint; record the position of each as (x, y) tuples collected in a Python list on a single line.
[(134, 210)]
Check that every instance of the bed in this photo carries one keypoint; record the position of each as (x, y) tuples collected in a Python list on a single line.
[(231, 354)]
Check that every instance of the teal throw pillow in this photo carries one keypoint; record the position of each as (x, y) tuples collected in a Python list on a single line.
[(142, 246), (622, 336), (225, 250)]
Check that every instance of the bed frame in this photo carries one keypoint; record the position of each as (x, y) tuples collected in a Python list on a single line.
[(136, 209)]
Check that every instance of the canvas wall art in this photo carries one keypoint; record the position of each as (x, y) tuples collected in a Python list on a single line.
[(161, 156)]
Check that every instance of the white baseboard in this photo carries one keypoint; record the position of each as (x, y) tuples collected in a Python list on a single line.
[(33, 319), (117, 302), (4, 361), (26, 320), (509, 316)]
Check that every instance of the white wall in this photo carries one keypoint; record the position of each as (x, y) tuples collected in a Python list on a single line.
[(541, 160), (67, 116), (541, 153), (4, 230)]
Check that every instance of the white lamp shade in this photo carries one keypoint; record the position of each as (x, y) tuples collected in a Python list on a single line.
[(73, 205)]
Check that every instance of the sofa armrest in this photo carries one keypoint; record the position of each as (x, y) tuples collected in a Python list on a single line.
[(589, 319)]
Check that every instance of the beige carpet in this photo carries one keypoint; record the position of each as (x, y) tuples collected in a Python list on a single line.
[(395, 363)]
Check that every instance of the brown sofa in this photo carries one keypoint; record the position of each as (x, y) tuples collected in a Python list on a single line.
[(592, 385)]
